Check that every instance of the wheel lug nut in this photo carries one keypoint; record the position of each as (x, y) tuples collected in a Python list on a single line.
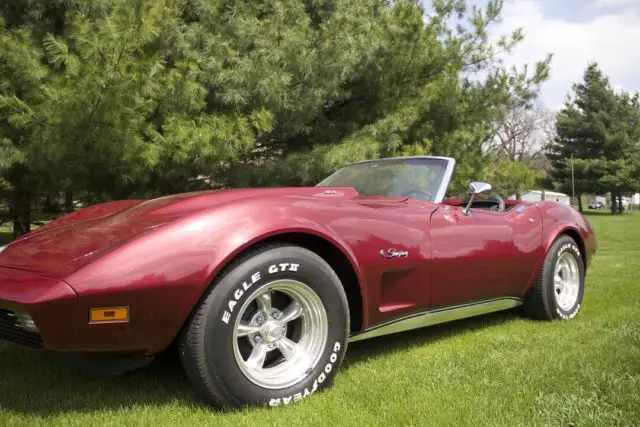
[(259, 320), (276, 315), (258, 339)]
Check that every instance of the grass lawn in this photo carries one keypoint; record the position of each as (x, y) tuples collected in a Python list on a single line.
[(494, 370)]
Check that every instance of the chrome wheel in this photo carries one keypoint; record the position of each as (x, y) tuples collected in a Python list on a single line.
[(280, 334), (566, 281)]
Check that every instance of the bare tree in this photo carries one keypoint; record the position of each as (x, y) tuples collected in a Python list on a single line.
[(522, 135)]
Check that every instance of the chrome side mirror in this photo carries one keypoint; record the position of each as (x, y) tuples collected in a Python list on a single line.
[(476, 188)]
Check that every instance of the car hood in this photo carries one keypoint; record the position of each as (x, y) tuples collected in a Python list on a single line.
[(72, 241)]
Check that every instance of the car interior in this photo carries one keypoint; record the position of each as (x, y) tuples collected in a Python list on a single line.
[(493, 203)]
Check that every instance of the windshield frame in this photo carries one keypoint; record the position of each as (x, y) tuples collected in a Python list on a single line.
[(438, 197)]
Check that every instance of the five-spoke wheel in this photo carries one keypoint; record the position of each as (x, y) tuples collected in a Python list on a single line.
[(280, 333), (566, 280)]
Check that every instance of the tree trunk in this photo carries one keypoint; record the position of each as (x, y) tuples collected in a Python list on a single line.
[(580, 203), (68, 201), (543, 195), (620, 206), (50, 204), (21, 210)]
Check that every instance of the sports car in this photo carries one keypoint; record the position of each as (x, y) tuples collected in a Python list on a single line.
[(261, 290)]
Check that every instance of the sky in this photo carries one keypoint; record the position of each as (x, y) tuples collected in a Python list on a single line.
[(576, 32)]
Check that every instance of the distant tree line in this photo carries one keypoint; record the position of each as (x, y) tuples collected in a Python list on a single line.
[(598, 136)]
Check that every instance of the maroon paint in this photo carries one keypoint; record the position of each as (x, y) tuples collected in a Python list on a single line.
[(159, 256), (492, 253)]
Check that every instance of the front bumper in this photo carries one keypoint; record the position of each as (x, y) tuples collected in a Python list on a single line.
[(51, 303), (47, 313)]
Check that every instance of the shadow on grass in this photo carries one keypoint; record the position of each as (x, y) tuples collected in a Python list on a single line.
[(41, 384), (362, 351)]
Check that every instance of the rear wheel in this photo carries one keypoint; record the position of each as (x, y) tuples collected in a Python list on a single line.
[(271, 331), (559, 287)]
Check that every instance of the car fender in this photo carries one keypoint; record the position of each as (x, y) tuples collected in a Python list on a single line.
[(236, 240), (561, 219), (163, 285)]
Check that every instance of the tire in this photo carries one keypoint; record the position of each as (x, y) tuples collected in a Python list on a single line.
[(559, 288), (236, 355)]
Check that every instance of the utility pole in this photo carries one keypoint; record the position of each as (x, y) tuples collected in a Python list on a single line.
[(573, 182)]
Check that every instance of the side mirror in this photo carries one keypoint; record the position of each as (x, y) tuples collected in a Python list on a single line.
[(476, 188)]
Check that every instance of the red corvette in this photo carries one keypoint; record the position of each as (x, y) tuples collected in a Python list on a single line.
[(261, 289)]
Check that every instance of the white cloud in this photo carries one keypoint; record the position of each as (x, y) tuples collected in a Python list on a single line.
[(610, 39)]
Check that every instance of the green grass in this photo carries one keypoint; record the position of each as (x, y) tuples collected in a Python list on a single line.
[(495, 370)]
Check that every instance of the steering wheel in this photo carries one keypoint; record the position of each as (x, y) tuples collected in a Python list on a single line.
[(499, 200), (416, 194)]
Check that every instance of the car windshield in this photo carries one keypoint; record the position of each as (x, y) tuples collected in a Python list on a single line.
[(418, 178)]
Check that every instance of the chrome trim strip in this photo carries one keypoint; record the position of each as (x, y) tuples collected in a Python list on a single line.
[(400, 158), (442, 315), (446, 179)]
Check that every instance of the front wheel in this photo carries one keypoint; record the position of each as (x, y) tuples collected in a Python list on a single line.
[(559, 288), (273, 330)]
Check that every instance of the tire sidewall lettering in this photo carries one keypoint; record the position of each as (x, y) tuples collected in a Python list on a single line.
[(573, 313), (320, 379), (570, 247), (254, 278)]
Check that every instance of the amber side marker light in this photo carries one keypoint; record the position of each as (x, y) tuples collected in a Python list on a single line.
[(109, 314)]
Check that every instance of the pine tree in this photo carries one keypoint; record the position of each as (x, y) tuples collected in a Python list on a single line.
[(598, 132), (137, 98), (22, 75)]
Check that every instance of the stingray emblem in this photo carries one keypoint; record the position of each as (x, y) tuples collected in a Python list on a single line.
[(392, 253)]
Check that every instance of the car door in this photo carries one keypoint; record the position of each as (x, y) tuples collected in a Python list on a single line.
[(483, 255), (391, 238)]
